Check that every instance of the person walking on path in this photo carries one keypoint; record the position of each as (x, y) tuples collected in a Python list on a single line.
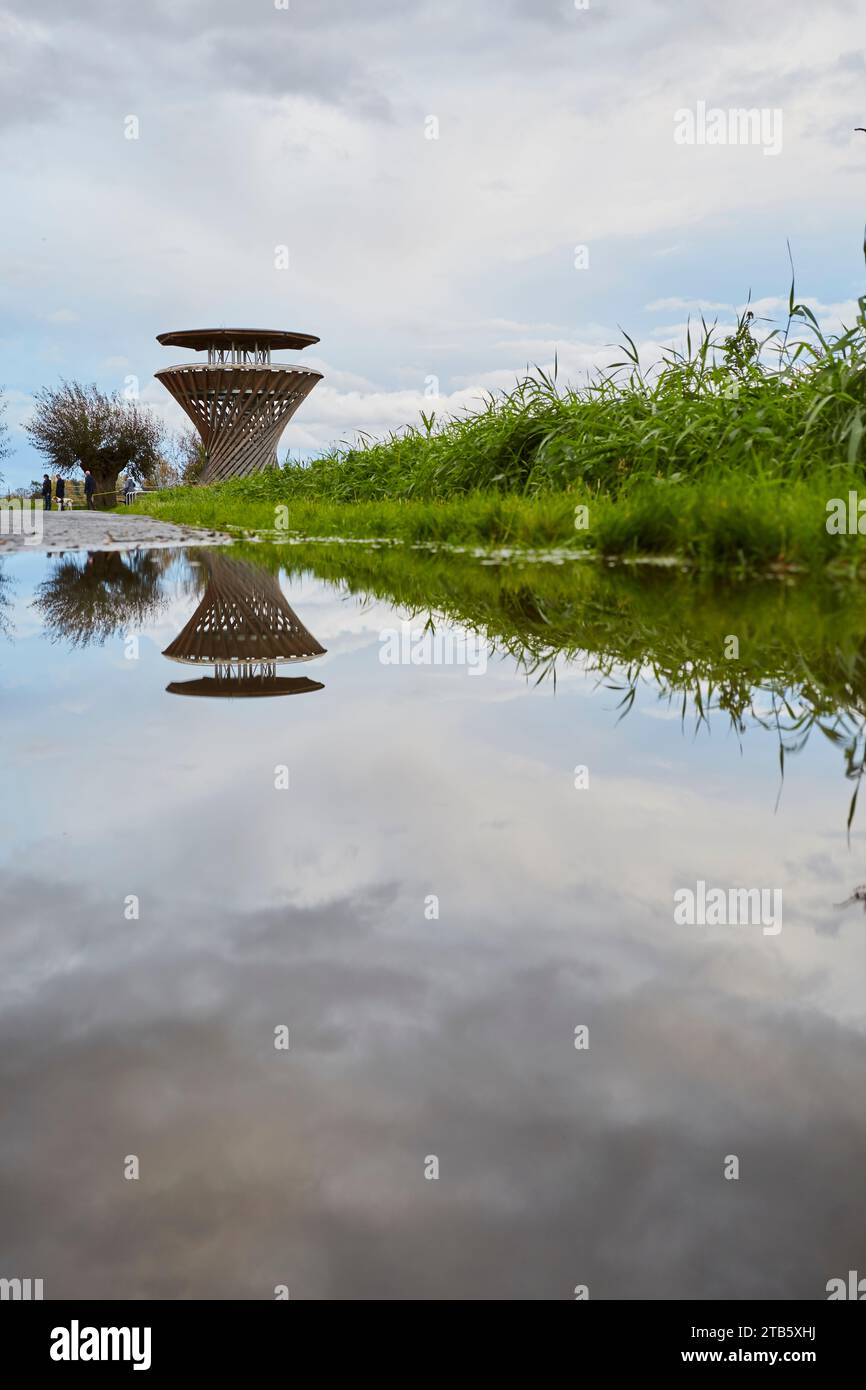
[(46, 493), (129, 491), (89, 489), (60, 492)]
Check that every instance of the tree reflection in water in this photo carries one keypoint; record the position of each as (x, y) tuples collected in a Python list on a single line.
[(5, 603), (87, 599)]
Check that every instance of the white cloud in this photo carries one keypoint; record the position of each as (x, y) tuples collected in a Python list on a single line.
[(409, 256), (703, 306)]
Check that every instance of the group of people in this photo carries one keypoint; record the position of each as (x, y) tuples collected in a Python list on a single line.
[(60, 491), (89, 490)]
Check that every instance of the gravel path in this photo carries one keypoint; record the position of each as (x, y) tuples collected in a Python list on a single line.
[(97, 531)]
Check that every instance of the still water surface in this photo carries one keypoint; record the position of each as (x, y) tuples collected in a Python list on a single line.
[(169, 904)]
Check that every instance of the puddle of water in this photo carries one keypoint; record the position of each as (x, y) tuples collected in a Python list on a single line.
[(445, 872)]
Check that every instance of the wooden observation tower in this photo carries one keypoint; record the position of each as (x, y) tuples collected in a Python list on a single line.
[(239, 400)]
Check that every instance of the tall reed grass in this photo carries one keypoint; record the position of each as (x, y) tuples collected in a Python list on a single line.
[(787, 403), (725, 452)]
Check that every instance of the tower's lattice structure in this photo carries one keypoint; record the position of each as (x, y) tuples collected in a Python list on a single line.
[(239, 400)]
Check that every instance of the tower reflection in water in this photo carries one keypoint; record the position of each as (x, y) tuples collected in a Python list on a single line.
[(245, 628)]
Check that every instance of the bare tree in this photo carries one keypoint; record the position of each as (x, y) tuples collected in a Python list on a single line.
[(5, 446), (77, 426), (190, 454), (167, 473)]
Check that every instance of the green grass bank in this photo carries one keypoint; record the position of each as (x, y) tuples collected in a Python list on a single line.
[(725, 455)]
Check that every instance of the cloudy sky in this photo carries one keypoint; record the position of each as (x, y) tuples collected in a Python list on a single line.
[(431, 167)]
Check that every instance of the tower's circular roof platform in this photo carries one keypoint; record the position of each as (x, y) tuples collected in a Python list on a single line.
[(199, 339)]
